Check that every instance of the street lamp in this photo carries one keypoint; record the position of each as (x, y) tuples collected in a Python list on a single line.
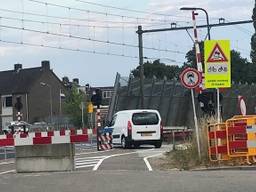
[(207, 17), (50, 88)]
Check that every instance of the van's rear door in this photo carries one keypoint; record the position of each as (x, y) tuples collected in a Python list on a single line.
[(146, 125)]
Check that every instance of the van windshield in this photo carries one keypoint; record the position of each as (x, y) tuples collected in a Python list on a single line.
[(145, 118)]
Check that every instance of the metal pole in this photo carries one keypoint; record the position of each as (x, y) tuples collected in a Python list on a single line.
[(50, 101), (196, 124), (218, 105), (27, 107), (140, 32), (207, 21), (5, 153), (209, 38), (82, 103), (60, 104)]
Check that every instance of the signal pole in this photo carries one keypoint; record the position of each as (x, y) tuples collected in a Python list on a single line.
[(140, 38)]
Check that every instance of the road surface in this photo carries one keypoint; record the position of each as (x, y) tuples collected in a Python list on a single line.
[(123, 170)]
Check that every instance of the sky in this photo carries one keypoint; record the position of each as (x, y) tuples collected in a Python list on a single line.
[(94, 39)]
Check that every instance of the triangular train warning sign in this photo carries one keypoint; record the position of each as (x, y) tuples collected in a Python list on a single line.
[(217, 55)]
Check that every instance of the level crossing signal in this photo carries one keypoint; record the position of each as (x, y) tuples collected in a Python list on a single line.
[(96, 98)]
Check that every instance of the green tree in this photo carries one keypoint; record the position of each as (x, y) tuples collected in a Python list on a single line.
[(158, 69), (253, 39), (72, 107), (240, 68), (191, 56)]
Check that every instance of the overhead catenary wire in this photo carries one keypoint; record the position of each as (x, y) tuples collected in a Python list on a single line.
[(71, 18), (133, 10), (124, 9), (89, 39), (82, 50), (67, 49), (95, 12)]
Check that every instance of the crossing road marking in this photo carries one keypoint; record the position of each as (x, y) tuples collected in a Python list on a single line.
[(86, 153), (83, 162)]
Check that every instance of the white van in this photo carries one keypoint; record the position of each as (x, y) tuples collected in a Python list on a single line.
[(137, 127)]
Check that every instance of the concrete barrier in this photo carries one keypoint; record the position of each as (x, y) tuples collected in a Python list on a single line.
[(43, 158)]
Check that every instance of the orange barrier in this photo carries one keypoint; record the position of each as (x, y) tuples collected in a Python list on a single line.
[(236, 138), (217, 142)]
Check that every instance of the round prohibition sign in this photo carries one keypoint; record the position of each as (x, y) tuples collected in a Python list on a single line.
[(190, 78)]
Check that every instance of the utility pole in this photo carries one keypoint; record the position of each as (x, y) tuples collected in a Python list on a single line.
[(140, 38)]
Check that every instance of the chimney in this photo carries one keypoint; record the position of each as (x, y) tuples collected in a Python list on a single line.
[(17, 67), (76, 81), (65, 79), (45, 65)]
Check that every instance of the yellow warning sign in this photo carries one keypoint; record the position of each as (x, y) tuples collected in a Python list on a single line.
[(217, 63)]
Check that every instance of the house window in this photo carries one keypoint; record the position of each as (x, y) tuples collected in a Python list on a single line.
[(107, 94), (7, 101)]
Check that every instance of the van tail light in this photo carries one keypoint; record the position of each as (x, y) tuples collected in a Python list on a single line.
[(161, 128), (129, 128)]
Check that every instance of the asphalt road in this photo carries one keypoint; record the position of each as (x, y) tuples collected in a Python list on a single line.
[(130, 181), (123, 170)]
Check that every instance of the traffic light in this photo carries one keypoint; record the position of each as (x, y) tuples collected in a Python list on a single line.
[(208, 101), (96, 98), (18, 104)]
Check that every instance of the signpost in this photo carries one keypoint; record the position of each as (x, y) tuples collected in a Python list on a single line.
[(217, 66), (191, 78)]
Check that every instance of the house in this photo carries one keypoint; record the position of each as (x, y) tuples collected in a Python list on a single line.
[(39, 90)]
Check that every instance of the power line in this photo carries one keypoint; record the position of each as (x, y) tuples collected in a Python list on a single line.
[(95, 12), (135, 11), (250, 33), (125, 9), (89, 39), (57, 23), (81, 50), (69, 49), (70, 18)]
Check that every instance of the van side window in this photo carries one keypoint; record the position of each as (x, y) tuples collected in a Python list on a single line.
[(112, 122)]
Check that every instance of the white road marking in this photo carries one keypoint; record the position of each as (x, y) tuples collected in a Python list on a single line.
[(96, 157), (95, 168), (86, 153), (7, 163), (83, 162), (147, 162), (10, 171)]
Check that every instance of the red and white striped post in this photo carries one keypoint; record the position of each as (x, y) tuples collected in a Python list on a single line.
[(198, 53), (98, 122)]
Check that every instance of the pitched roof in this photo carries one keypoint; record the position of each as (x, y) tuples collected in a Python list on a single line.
[(18, 81)]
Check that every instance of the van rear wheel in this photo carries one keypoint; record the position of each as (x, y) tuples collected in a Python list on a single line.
[(124, 142), (158, 144)]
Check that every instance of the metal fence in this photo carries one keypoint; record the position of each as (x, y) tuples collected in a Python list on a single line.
[(173, 101)]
